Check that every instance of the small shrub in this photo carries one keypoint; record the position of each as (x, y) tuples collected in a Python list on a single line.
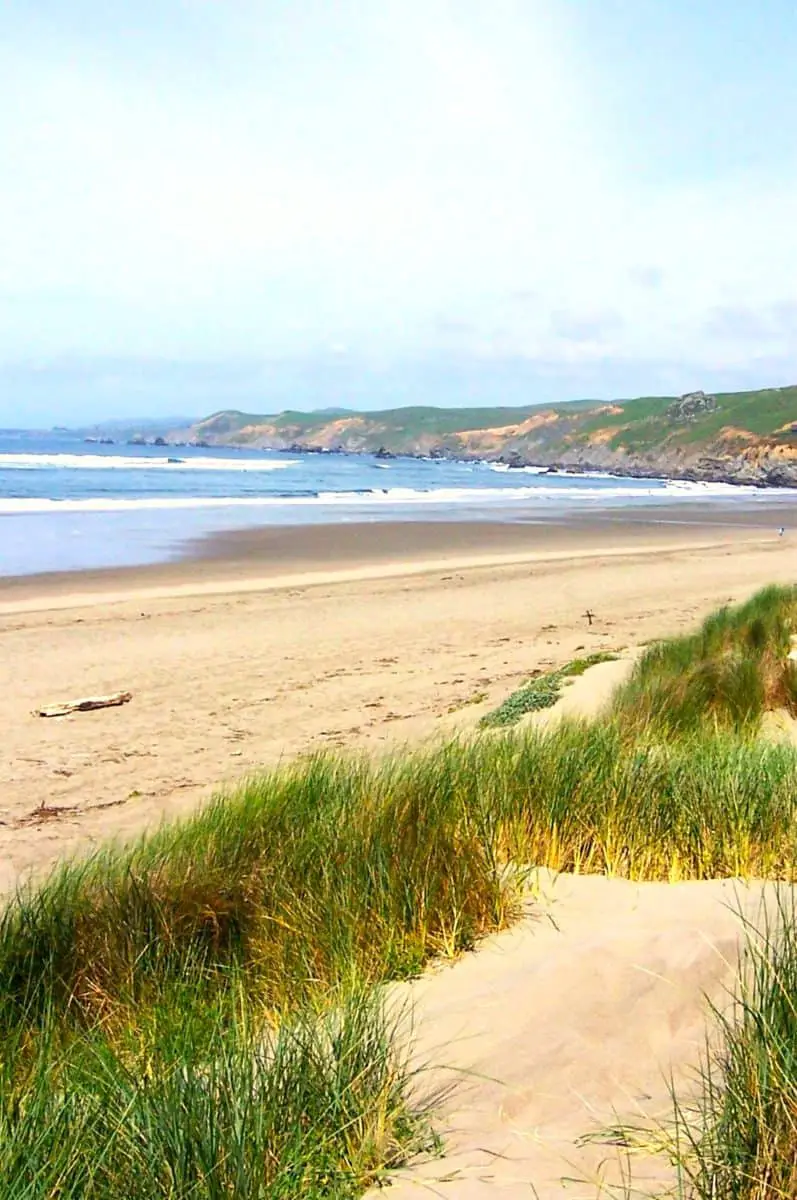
[(539, 693)]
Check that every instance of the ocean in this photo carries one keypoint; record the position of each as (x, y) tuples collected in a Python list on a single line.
[(69, 505)]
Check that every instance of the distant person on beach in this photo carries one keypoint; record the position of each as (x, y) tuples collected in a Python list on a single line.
[(781, 531)]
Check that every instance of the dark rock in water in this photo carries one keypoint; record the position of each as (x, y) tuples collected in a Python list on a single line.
[(159, 441), (383, 452), (175, 460), (513, 458), (309, 448), (690, 406)]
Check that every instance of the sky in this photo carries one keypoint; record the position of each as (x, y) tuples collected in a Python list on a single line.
[(265, 204)]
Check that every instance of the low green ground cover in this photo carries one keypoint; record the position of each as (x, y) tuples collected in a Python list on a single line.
[(540, 692)]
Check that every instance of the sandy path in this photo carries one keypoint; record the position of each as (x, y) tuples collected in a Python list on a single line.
[(566, 1026), (229, 672)]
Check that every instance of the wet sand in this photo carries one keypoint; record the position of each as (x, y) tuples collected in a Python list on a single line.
[(276, 555)]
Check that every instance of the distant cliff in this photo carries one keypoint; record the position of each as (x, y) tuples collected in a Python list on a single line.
[(740, 437)]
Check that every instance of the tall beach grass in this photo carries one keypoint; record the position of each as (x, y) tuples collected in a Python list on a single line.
[(742, 1142), (208, 1103), (343, 868), (118, 976), (726, 675)]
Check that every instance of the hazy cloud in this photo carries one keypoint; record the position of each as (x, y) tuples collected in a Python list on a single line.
[(575, 326), (754, 325), (647, 277)]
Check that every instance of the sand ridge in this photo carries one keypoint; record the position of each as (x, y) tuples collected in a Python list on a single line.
[(566, 1028)]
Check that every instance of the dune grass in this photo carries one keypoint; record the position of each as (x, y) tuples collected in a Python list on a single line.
[(124, 1056), (196, 1017), (727, 674), (308, 877), (136, 991), (343, 868), (742, 1143), (204, 1103)]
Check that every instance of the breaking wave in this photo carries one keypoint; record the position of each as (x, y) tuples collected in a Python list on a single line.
[(140, 462)]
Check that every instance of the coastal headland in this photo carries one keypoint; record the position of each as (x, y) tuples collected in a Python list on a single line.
[(733, 437)]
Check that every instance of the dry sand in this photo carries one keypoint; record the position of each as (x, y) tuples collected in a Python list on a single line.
[(586, 696), (568, 1028), (248, 656)]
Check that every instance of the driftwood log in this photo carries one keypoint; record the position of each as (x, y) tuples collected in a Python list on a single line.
[(86, 705)]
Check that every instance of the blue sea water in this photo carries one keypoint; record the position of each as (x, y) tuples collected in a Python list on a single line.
[(68, 505)]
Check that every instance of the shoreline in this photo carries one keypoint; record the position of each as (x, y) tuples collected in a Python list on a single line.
[(703, 469), (269, 557)]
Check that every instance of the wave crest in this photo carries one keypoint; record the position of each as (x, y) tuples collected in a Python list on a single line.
[(138, 462)]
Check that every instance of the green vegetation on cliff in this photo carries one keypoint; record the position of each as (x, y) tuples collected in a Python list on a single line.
[(746, 435)]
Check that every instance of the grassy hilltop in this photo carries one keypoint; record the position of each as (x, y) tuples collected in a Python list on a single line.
[(738, 435)]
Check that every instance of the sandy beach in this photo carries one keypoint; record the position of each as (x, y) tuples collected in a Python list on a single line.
[(282, 642)]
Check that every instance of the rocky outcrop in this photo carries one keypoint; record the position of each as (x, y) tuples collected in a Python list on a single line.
[(764, 473), (691, 406)]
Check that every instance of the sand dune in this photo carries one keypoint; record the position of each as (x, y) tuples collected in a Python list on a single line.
[(586, 696), (565, 1027)]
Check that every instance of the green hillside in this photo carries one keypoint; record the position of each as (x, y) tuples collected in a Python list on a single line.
[(644, 423), (741, 433), (412, 422)]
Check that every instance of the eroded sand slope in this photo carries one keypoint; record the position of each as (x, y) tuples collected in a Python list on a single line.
[(566, 1026)]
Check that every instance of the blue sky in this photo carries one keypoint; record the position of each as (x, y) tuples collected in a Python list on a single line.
[(208, 203)]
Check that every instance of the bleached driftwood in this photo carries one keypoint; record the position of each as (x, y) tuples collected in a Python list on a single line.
[(86, 705)]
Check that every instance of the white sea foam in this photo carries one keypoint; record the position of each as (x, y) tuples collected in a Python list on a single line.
[(543, 495), (142, 462), (504, 468), (701, 487)]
